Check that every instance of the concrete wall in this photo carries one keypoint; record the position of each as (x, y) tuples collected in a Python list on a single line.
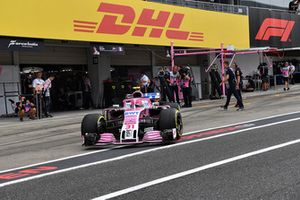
[(98, 71), (5, 58), (55, 55), (248, 63)]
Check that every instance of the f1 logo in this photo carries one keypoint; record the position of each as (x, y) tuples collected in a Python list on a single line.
[(119, 20), (275, 27)]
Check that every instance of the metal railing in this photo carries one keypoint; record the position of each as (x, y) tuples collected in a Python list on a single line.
[(278, 10), (218, 7), (9, 95)]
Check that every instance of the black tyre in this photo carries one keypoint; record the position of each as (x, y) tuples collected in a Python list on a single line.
[(170, 119), (90, 129), (172, 105), (89, 124)]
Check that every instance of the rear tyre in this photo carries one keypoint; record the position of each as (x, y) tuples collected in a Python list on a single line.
[(89, 129), (174, 105), (171, 104), (170, 119)]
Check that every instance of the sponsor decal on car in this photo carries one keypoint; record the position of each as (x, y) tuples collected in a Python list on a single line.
[(131, 113), (131, 117), (128, 134)]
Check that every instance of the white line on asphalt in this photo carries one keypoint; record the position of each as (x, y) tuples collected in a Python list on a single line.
[(188, 133), (143, 152), (195, 170), (59, 159)]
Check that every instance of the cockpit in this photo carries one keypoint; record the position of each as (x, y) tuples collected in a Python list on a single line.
[(138, 100)]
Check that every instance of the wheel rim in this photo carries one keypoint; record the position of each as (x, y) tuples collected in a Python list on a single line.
[(179, 125)]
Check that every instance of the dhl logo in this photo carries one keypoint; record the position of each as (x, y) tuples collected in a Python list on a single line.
[(119, 20)]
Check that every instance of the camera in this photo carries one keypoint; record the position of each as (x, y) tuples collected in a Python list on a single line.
[(161, 73), (184, 70)]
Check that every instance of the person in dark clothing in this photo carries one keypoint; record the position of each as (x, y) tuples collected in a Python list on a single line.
[(215, 83), (186, 89), (164, 79), (239, 82), (28, 84), (230, 81), (250, 85), (162, 83), (87, 92), (293, 5), (263, 72), (62, 100), (186, 85)]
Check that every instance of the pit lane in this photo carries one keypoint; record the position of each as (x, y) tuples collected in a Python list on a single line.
[(113, 153), (251, 177)]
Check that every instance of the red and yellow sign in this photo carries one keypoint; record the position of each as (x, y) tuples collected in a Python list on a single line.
[(119, 21)]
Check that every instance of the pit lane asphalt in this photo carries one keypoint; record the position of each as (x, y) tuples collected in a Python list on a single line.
[(272, 175), (119, 151), (53, 138), (37, 141)]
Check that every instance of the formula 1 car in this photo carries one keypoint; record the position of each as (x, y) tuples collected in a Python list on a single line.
[(140, 120)]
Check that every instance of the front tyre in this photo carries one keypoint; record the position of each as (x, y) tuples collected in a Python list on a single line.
[(170, 119), (89, 129)]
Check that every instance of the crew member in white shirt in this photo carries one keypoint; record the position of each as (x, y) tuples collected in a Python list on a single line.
[(174, 82), (285, 70), (292, 70), (144, 83), (38, 84), (47, 99)]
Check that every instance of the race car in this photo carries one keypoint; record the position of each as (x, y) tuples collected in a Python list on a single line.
[(141, 120)]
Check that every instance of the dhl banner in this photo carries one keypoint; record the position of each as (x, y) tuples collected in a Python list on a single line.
[(119, 21)]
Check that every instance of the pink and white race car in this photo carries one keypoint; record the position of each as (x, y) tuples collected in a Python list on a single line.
[(140, 120)]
